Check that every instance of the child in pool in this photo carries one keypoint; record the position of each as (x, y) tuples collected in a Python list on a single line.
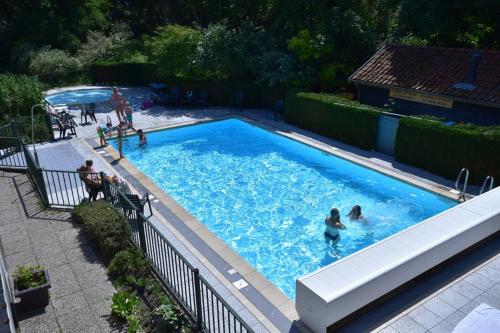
[(333, 224)]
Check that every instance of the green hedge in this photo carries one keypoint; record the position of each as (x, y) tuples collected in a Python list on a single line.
[(220, 92), (105, 226), (444, 150), (333, 117)]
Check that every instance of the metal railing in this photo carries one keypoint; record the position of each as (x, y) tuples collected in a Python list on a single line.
[(66, 189), (198, 298)]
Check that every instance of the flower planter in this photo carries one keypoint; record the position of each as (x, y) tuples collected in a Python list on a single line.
[(33, 298)]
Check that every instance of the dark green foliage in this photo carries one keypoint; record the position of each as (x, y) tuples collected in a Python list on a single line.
[(122, 74), (444, 150), (105, 226), (220, 91), (17, 94), (127, 262), (333, 117)]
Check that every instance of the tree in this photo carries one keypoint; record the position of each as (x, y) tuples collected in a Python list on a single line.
[(172, 48)]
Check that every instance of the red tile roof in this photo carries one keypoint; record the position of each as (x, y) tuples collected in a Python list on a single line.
[(434, 70)]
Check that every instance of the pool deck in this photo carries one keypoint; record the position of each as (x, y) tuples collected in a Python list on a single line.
[(264, 306)]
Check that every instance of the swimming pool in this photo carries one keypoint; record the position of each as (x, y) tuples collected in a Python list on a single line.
[(267, 196), (82, 96)]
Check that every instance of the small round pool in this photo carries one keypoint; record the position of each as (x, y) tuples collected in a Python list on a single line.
[(83, 96)]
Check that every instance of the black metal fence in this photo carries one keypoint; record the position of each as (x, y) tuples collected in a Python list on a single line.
[(66, 189), (198, 298)]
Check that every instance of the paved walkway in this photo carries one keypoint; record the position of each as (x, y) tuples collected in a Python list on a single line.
[(81, 292)]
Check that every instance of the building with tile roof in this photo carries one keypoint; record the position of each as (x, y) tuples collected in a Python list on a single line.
[(461, 85)]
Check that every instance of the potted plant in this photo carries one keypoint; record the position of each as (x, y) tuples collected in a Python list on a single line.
[(31, 285), (166, 316)]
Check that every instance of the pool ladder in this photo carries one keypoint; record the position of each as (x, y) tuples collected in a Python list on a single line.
[(462, 192), (491, 181)]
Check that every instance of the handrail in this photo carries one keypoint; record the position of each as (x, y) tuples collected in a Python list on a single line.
[(462, 192), (491, 180)]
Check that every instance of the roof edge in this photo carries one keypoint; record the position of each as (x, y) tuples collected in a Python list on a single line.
[(367, 61)]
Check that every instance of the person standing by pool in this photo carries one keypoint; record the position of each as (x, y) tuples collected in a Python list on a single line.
[(117, 101), (102, 136), (128, 114), (333, 224), (120, 139)]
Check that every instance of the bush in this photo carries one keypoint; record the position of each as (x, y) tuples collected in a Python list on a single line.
[(333, 117), (444, 150), (29, 277), (127, 262), (53, 65), (124, 305), (139, 74), (17, 94), (105, 226)]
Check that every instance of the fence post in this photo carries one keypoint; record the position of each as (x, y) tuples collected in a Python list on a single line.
[(43, 189), (48, 123), (197, 294), (142, 236)]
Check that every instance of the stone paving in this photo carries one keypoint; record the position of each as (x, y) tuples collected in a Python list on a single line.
[(81, 292)]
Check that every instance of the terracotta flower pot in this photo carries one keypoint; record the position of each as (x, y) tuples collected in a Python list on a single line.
[(33, 298)]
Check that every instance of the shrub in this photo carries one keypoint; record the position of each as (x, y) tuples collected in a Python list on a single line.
[(139, 74), (105, 226), (17, 94), (124, 305), (127, 262), (53, 65), (333, 117), (29, 277), (444, 150)]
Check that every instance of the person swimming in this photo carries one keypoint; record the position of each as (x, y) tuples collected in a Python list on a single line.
[(333, 224), (355, 214)]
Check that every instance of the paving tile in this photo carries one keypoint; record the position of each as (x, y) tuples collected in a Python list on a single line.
[(407, 325), (453, 298), (467, 308), (466, 289), (81, 267), (77, 321), (455, 318), (490, 272), (479, 281), (439, 307), (99, 293), (92, 278), (488, 299), (54, 261), (442, 327), (42, 327), (48, 250), (61, 273), (70, 303), (43, 241), (45, 318), (92, 329), (82, 253), (20, 259), (495, 291), (424, 317), (64, 287)]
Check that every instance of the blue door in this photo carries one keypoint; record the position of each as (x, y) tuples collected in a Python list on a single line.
[(386, 136)]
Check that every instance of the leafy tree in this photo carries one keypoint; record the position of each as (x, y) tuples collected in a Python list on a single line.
[(100, 46), (172, 47)]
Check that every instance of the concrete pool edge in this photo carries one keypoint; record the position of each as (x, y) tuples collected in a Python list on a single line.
[(334, 292), (272, 294)]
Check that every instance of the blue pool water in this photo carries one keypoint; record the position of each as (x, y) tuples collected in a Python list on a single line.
[(83, 96), (267, 196)]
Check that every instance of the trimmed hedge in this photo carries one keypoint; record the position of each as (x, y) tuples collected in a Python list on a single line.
[(104, 225), (333, 117), (220, 92), (444, 150)]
